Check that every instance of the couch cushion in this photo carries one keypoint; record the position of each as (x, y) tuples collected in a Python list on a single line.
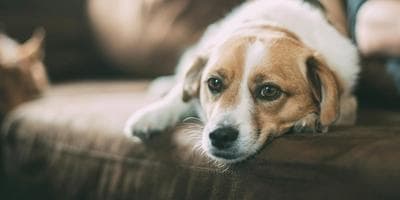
[(69, 145)]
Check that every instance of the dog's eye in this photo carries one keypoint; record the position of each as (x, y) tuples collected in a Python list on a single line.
[(215, 85), (268, 92)]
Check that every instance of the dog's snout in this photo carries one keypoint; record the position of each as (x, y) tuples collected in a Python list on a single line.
[(222, 138)]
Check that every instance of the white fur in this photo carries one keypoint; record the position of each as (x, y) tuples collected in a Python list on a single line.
[(254, 55), (159, 115)]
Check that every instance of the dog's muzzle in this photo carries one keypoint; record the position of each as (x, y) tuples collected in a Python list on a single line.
[(223, 142), (223, 138)]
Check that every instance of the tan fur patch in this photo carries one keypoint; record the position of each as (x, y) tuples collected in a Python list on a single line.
[(230, 69)]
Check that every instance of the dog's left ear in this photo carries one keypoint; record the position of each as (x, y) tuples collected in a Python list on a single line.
[(191, 83), (325, 88), (33, 47)]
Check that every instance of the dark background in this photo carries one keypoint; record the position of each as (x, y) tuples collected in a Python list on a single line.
[(71, 52)]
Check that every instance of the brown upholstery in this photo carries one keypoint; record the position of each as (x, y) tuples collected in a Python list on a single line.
[(69, 145)]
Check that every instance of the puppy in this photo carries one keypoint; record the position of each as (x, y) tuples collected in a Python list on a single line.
[(23, 75), (269, 67)]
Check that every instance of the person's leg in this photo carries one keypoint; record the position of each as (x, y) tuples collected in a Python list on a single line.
[(393, 68), (377, 28), (378, 33), (352, 8)]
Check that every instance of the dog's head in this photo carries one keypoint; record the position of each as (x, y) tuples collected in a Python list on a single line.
[(252, 88)]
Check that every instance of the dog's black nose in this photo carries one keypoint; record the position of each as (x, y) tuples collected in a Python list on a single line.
[(223, 138)]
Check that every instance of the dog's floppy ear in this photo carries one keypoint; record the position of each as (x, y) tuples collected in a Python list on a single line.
[(325, 88), (191, 83)]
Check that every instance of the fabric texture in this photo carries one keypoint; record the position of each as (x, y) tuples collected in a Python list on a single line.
[(69, 145)]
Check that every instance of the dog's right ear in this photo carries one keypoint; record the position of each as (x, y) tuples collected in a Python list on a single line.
[(191, 83)]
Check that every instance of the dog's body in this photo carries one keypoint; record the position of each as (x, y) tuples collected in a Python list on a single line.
[(269, 67)]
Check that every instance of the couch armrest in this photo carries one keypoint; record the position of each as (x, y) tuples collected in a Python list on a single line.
[(70, 143)]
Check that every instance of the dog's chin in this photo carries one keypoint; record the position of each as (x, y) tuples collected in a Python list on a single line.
[(226, 157)]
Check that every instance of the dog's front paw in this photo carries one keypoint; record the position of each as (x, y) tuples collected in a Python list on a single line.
[(143, 124), (310, 123)]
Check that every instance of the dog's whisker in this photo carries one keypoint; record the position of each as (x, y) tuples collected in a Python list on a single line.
[(192, 120)]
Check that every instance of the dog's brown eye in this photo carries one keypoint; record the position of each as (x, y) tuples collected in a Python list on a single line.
[(215, 85), (268, 92)]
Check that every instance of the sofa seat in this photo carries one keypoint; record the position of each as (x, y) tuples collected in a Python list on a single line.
[(69, 145)]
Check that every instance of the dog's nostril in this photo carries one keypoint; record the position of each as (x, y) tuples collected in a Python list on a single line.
[(223, 137), (224, 134)]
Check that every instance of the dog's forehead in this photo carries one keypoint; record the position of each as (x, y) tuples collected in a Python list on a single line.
[(284, 58), (275, 55)]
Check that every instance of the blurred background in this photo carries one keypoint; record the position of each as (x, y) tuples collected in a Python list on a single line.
[(70, 49), (100, 38), (141, 39)]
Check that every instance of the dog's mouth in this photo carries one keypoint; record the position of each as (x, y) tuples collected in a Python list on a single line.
[(235, 154), (225, 155)]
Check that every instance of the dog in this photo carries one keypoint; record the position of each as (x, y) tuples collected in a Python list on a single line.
[(23, 74), (267, 68)]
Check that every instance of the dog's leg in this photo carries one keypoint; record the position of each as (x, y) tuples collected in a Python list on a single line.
[(175, 105), (161, 86), (159, 115), (309, 124), (348, 115)]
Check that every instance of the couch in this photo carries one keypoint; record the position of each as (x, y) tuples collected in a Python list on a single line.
[(68, 144)]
